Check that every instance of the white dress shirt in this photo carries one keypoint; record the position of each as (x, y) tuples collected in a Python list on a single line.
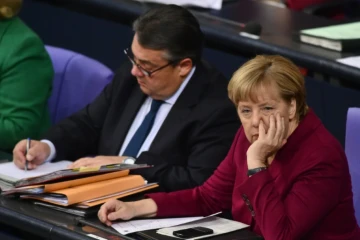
[(144, 109)]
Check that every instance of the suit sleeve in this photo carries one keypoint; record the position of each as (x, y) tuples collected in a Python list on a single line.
[(25, 84), (316, 191), (206, 150), (213, 196)]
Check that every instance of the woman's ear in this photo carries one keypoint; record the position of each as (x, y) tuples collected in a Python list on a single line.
[(185, 66), (292, 109)]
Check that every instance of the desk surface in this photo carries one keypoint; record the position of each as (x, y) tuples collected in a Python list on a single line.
[(24, 216), (221, 29), (42, 222)]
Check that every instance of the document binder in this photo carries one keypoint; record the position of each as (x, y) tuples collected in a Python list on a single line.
[(68, 174), (86, 192), (44, 188)]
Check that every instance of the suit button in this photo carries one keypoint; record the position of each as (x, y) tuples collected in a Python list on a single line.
[(247, 202), (253, 213), (251, 210), (244, 197)]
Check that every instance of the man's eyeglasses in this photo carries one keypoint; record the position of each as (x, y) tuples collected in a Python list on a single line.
[(144, 71)]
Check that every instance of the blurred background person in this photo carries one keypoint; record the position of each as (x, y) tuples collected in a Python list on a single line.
[(322, 8), (26, 75)]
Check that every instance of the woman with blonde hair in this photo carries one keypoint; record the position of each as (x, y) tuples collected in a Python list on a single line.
[(285, 174), (9, 8), (26, 75)]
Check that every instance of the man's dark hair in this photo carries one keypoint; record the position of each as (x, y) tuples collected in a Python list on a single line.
[(171, 28)]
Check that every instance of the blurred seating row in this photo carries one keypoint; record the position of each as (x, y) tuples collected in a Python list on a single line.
[(78, 80), (348, 9), (352, 150)]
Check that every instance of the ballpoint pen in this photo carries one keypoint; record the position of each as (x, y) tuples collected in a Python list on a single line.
[(28, 142)]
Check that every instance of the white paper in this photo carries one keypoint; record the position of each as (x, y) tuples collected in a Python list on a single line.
[(351, 61), (9, 171), (213, 4), (96, 237), (217, 224), (147, 224)]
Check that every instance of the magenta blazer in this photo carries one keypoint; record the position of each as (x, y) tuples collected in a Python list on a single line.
[(304, 194)]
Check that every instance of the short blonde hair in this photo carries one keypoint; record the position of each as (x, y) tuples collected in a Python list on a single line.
[(9, 8), (265, 70)]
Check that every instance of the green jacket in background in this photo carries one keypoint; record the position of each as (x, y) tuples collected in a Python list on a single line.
[(26, 75)]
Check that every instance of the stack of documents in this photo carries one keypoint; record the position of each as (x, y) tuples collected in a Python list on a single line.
[(342, 37), (10, 174), (82, 187)]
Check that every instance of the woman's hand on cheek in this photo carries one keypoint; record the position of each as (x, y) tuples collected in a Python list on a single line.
[(268, 143)]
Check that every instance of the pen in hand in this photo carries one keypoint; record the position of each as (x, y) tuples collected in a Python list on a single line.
[(28, 142)]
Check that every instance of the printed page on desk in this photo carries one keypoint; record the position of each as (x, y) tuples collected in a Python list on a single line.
[(11, 173), (217, 224), (132, 226), (351, 61)]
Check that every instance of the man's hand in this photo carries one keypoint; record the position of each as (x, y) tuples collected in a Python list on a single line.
[(37, 154), (97, 161)]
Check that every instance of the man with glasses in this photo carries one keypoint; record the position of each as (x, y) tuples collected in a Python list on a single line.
[(165, 107)]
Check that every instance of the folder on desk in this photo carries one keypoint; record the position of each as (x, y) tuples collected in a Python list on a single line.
[(68, 174), (10, 173), (85, 191), (70, 209), (45, 188), (93, 193), (340, 37)]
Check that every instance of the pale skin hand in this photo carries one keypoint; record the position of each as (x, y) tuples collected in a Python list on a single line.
[(268, 143), (97, 161), (115, 209), (37, 154)]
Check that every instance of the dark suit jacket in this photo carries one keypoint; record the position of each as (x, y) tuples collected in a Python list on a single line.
[(191, 143), (304, 194)]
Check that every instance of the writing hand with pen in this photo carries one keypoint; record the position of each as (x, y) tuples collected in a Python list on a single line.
[(30, 154)]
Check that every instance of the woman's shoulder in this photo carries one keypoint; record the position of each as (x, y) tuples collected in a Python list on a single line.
[(313, 145), (15, 32), (19, 42), (322, 148), (312, 135)]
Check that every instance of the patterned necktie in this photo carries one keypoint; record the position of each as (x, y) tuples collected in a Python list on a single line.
[(141, 133)]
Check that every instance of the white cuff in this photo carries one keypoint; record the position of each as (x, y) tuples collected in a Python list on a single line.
[(52, 150)]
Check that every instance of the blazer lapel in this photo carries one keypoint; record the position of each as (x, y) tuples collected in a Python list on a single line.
[(182, 107), (128, 115)]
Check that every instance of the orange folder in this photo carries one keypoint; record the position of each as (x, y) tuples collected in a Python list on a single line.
[(67, 184), (118, 195), (85, 192)]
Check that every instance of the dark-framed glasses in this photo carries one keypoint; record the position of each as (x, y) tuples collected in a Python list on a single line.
[(144, 71)]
